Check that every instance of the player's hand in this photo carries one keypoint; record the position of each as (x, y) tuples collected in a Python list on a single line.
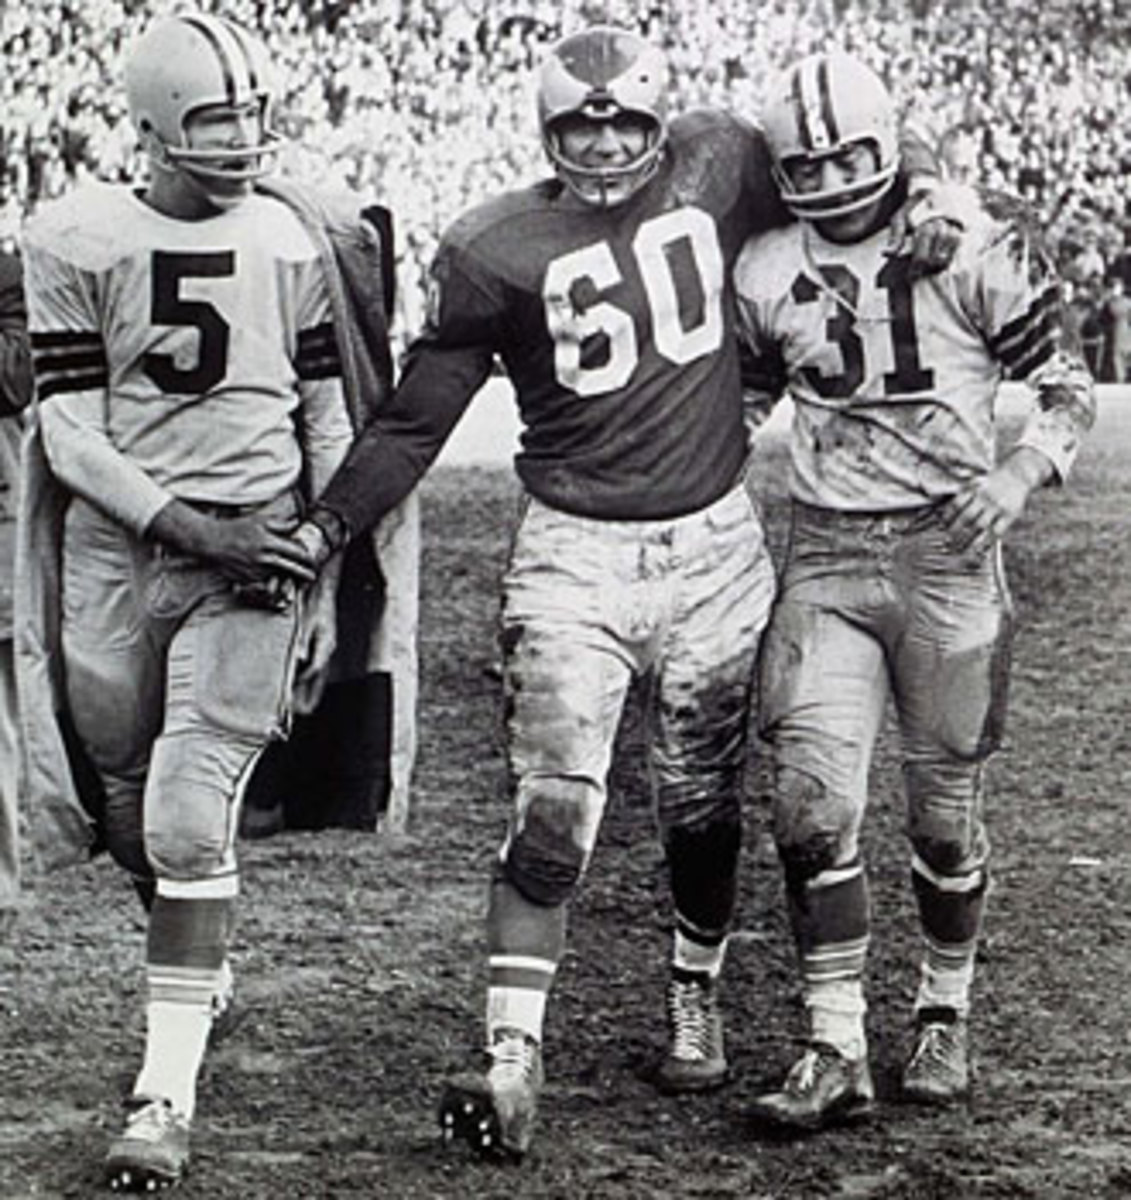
[(930, 224), (310, 540), (246, 549), (983, 512), (314, 663), (251, 547)]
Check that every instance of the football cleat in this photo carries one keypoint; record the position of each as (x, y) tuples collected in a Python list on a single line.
[(938, 1071), (823, 1088), (495, 1113), (696, 1059), (152, 1152)]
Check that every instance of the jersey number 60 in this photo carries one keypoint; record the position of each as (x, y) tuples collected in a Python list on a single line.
[(658, 245)]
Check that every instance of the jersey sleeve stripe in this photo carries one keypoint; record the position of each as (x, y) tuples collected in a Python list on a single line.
[(58, 339), (317, 356), (1011, 338), (1039, 343), (317, 337), (52, 386), (1022, 368), (68, 362)]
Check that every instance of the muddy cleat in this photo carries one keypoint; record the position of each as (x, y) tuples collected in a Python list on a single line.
[(696, 1060), (495, 1113), (152, 1152), (938, 1071), (823, 1088)]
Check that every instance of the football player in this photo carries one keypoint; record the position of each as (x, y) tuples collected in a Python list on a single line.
[(893, 583), (189, 387), (15, 395), (606, 293)]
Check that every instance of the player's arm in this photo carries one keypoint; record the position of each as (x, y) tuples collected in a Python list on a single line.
[(445, 367), (761, 363), (933, 214), (15, 348), (72, 381), (395, 450), (1022, 315), (325, 433)]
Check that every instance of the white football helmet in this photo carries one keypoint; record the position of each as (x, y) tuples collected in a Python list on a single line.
[(187, 62), (820, 106), (601, 73)]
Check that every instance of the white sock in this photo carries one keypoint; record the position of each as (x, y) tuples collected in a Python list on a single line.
[(836, 1016), (523, 1009), (694, 956), (176, 1035), (940, 988)]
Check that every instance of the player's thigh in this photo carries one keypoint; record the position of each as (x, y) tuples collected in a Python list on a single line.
[(566, 669), (952, 673), (952, 666), (230, 673), (113, 654), (704, 679), (823, 686)]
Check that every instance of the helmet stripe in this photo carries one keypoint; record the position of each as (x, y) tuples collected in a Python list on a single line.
[(813, 101), (228, 68), (241, 40), (828, 115), (802, 112)]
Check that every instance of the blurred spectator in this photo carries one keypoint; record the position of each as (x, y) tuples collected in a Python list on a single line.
[(1115, 323), (391, 96), (1084, 321)]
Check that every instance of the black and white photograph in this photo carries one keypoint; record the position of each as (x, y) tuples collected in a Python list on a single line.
[(564, 603)]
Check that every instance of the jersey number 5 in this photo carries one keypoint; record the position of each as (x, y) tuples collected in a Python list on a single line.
[(663, 247), (168, 307)]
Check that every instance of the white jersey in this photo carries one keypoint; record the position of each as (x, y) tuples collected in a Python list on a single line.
[(894, 380), (187, 344)]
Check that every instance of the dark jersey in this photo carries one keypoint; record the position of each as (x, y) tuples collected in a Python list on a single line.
[(616, 327)]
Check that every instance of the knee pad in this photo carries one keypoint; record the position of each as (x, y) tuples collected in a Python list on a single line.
[(546, 854), (944, 815), (189, 814), (808, 827)]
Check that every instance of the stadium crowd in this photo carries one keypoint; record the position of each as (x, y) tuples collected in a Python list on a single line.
[(425, 103)]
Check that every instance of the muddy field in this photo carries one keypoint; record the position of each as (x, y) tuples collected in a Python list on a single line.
[(361, 973)]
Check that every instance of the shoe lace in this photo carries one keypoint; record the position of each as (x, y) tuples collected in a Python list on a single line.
[(151, 1120), (934, 1045), (514, 1058), (691, 1011), (809, 1068)]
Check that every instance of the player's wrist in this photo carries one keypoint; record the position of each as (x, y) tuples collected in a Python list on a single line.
[(330, 525), (1030, 467), (179, 525)]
